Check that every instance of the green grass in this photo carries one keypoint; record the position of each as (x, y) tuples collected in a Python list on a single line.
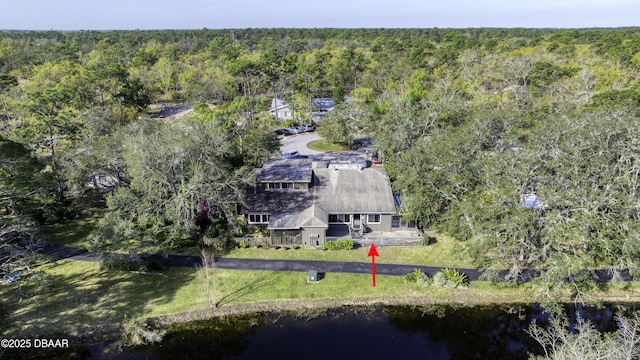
[(445, 252), (325, 146), (79, 295), (74, 233)]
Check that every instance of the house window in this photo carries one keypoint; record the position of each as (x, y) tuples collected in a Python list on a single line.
[(373, 218), (395, 222), (258, 218), (274, 185), (287, 185), (339, 218)]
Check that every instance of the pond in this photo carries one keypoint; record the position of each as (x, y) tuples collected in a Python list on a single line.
[(438, 332)]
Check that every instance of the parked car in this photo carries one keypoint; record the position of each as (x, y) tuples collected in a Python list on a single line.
[(283, 132), (376, 158), (293, 154), (361, 162), (290, 154), (308, 127), (293, 130)]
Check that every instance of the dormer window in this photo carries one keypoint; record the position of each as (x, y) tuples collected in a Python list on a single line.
[(258, 218)]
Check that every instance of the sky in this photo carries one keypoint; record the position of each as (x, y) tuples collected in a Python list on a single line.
[(225, 14)]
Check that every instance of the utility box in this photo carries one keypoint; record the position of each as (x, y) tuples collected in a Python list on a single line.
[(313, 276)]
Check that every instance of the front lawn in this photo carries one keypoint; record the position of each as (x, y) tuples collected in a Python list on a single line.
[(325, 146), (445, 252), (77, 296)]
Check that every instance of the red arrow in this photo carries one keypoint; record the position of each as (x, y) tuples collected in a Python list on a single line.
[(373, 253)]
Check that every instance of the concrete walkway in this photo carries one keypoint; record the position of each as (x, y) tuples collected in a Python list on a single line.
[(66, 252)]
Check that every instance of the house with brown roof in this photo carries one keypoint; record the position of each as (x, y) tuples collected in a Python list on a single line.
[(304, 203)]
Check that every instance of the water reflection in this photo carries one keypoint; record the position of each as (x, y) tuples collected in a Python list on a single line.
[(490, 332)]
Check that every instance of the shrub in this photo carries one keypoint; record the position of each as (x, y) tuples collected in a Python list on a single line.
[(222, 243), (152, 266), (141, 334), (287, 123), (413, 276), (242, 229), (120, 262), (342, 244), (243, 244), (124, 262), (417, 276), (451, 278)]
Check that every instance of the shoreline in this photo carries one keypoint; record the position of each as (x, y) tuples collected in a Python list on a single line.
[(117, 334), (167, 321)]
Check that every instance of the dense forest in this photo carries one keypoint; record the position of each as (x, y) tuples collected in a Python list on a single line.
[(523, 144)]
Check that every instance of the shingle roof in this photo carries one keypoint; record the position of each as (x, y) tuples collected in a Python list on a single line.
[(314, 216), (353, 191), (323, 104), (284, 201), (286, 170), (334, 191), (283, 221)]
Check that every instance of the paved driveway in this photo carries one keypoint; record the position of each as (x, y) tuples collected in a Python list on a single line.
[(299, 142)]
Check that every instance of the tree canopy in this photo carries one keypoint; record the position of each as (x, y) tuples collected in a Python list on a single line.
[(521, 143)]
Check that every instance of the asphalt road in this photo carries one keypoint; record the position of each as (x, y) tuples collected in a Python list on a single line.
[(65, 252), (299, 142)]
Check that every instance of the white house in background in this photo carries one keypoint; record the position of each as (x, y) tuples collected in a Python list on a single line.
[(281, 109), (319, 107)]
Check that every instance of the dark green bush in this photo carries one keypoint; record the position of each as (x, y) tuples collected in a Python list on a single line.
[(123, 262), (342, 244), (152, 266)]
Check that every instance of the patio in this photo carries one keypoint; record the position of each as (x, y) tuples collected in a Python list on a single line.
[(381, 238)]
